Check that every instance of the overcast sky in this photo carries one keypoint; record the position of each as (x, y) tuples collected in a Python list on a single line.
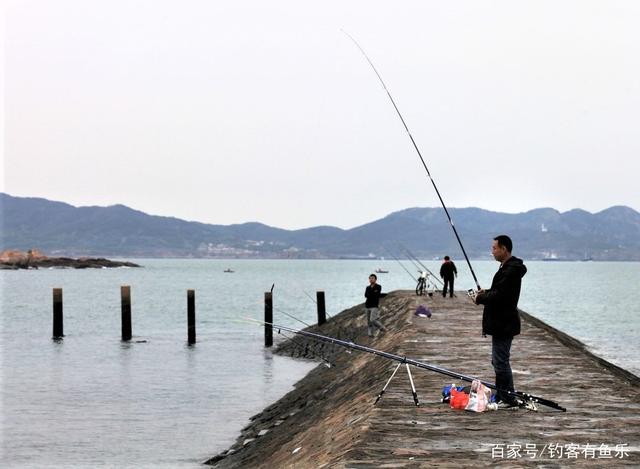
[(233, 111)]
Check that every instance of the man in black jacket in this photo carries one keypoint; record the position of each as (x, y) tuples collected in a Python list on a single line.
[(500, 318), (373, 293), (447, 272)]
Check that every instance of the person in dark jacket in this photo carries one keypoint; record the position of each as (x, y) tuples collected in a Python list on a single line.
[(373, 293), (447, 272), (500, 318)]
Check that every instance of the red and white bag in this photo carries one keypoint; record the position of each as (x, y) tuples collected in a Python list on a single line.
[(478, 397)]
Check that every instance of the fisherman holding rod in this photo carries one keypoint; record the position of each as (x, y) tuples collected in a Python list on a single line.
[(500, 318)]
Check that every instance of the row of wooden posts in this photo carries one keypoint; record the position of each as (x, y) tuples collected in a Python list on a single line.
[(125, 295)]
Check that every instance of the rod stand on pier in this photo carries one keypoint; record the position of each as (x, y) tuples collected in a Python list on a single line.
[(413, 387)]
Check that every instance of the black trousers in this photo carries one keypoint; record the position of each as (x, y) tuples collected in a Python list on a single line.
[(448, 281), (500, 354)]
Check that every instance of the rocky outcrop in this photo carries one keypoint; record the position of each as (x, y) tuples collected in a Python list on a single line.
[(12, 259)]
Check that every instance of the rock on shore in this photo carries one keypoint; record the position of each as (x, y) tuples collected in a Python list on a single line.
[(34, 259)]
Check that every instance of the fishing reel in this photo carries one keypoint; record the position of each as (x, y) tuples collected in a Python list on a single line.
[(472, 293)]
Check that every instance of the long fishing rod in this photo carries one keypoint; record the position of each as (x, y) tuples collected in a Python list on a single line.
[(420, 155), (302, 346), (305, 349), (417, 262), (421, 272), (311, 298), (526, 397), (401, 264), (315, 302), (291, 316)]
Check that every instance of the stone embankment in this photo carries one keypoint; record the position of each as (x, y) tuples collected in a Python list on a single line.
[(329, 419)]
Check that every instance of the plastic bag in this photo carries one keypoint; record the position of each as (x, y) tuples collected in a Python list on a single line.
[(423, 312), (478, 397), (459, 399)]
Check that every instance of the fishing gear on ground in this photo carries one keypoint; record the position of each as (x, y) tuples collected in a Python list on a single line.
[(528, 400)]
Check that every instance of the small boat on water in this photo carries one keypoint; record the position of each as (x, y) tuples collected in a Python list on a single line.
[(228, 271), (381, 271)]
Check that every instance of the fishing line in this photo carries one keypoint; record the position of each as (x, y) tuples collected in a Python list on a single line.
[(290, 316), (401, 264), (415, 264), (306, 349), (311, 298), (411, 255), (420, 155)]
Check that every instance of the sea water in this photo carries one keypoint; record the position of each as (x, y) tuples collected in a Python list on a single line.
[(91, 400)]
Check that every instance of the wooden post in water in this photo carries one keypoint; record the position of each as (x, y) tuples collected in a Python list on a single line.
[(58, 329), (125, 295), (191, 316), (322, 312), (268, 319)]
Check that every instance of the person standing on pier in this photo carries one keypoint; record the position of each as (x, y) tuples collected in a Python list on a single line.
[(500, 318), (447, 272), (373, 293)]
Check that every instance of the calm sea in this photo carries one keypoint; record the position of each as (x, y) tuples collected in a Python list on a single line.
[(92, 400)]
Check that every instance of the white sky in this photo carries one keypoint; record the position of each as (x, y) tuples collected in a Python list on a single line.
[(234, 111)]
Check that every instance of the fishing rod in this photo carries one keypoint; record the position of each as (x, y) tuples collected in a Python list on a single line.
[(433, 276), (401, 264), (413, 256), (305, 349), (415, 264), (422, 268), (315, 302), (291, 316), (311, 298), (526, 397), (421, 158), (422, 282)]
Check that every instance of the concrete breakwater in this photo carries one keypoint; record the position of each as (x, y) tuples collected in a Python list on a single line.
[(329, 420)]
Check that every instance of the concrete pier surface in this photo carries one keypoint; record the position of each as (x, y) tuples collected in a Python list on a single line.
[(329, 419)]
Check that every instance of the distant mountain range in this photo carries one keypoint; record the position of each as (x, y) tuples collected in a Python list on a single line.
[(58, 228)]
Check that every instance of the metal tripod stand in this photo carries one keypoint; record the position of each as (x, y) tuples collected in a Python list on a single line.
[(413, 387)]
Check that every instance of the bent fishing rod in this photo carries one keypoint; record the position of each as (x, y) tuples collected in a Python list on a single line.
[(455, 232), (526, 397)]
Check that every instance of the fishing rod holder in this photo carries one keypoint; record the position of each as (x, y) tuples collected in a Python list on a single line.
[(413, 387)]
